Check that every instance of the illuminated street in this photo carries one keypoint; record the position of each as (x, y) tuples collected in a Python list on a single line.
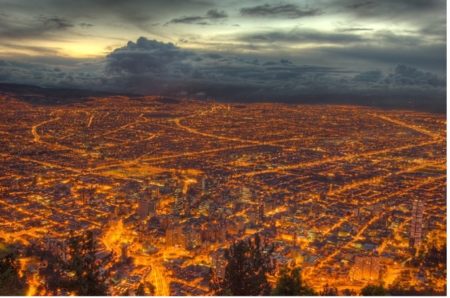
[(165, 184)]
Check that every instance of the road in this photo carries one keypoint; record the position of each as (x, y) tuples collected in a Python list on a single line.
[(332, 159), (407, 125), (308, 272), (34, 132)]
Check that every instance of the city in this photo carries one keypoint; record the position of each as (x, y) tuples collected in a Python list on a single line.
[(350, 194)]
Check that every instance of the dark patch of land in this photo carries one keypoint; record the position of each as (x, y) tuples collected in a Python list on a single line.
[(60, 96)]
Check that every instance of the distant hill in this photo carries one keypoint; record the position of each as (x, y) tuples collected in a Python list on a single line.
[(53, 96), (59, 96)]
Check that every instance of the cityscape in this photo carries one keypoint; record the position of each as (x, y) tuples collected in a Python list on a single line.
[(223, 148), (166, 185)]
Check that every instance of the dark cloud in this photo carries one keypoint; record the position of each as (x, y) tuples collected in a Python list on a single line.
[(37, 27), (144, 56), (290, 11), (56, 23), (402, 76), (160, 62), (354, 29), (388, 37), (189, 20), (371, 76), (361, 53), (152, 67), (388, 7), (215, 14), (414, 12), (138, 13), (86, 25), (211, 15), (301, 36), (436, 30), (430, 57), (68, 74), (409, 76), (347, 36)]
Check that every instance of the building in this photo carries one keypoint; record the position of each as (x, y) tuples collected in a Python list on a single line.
[(189, 199), (187, 235), (218, 263), (215, 231), (415, 234), (124, 252), (366, 269), (205, 185), (246, 195), (56, 247), (236, 227), (175, 236), (147, 204), (146, 207), (261, 212)]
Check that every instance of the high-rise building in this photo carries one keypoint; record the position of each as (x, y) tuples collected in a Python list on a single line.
[(261, 211), (189, 200), (145, 207), (124, 252), (147, 204), (418, 208), (218, 262)]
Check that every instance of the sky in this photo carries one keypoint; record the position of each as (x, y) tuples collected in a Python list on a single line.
[(243, 50)]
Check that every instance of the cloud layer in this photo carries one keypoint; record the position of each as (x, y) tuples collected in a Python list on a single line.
[(153, 67), (239, 50)]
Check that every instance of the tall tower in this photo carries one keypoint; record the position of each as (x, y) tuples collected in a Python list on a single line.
[(416, 223)]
